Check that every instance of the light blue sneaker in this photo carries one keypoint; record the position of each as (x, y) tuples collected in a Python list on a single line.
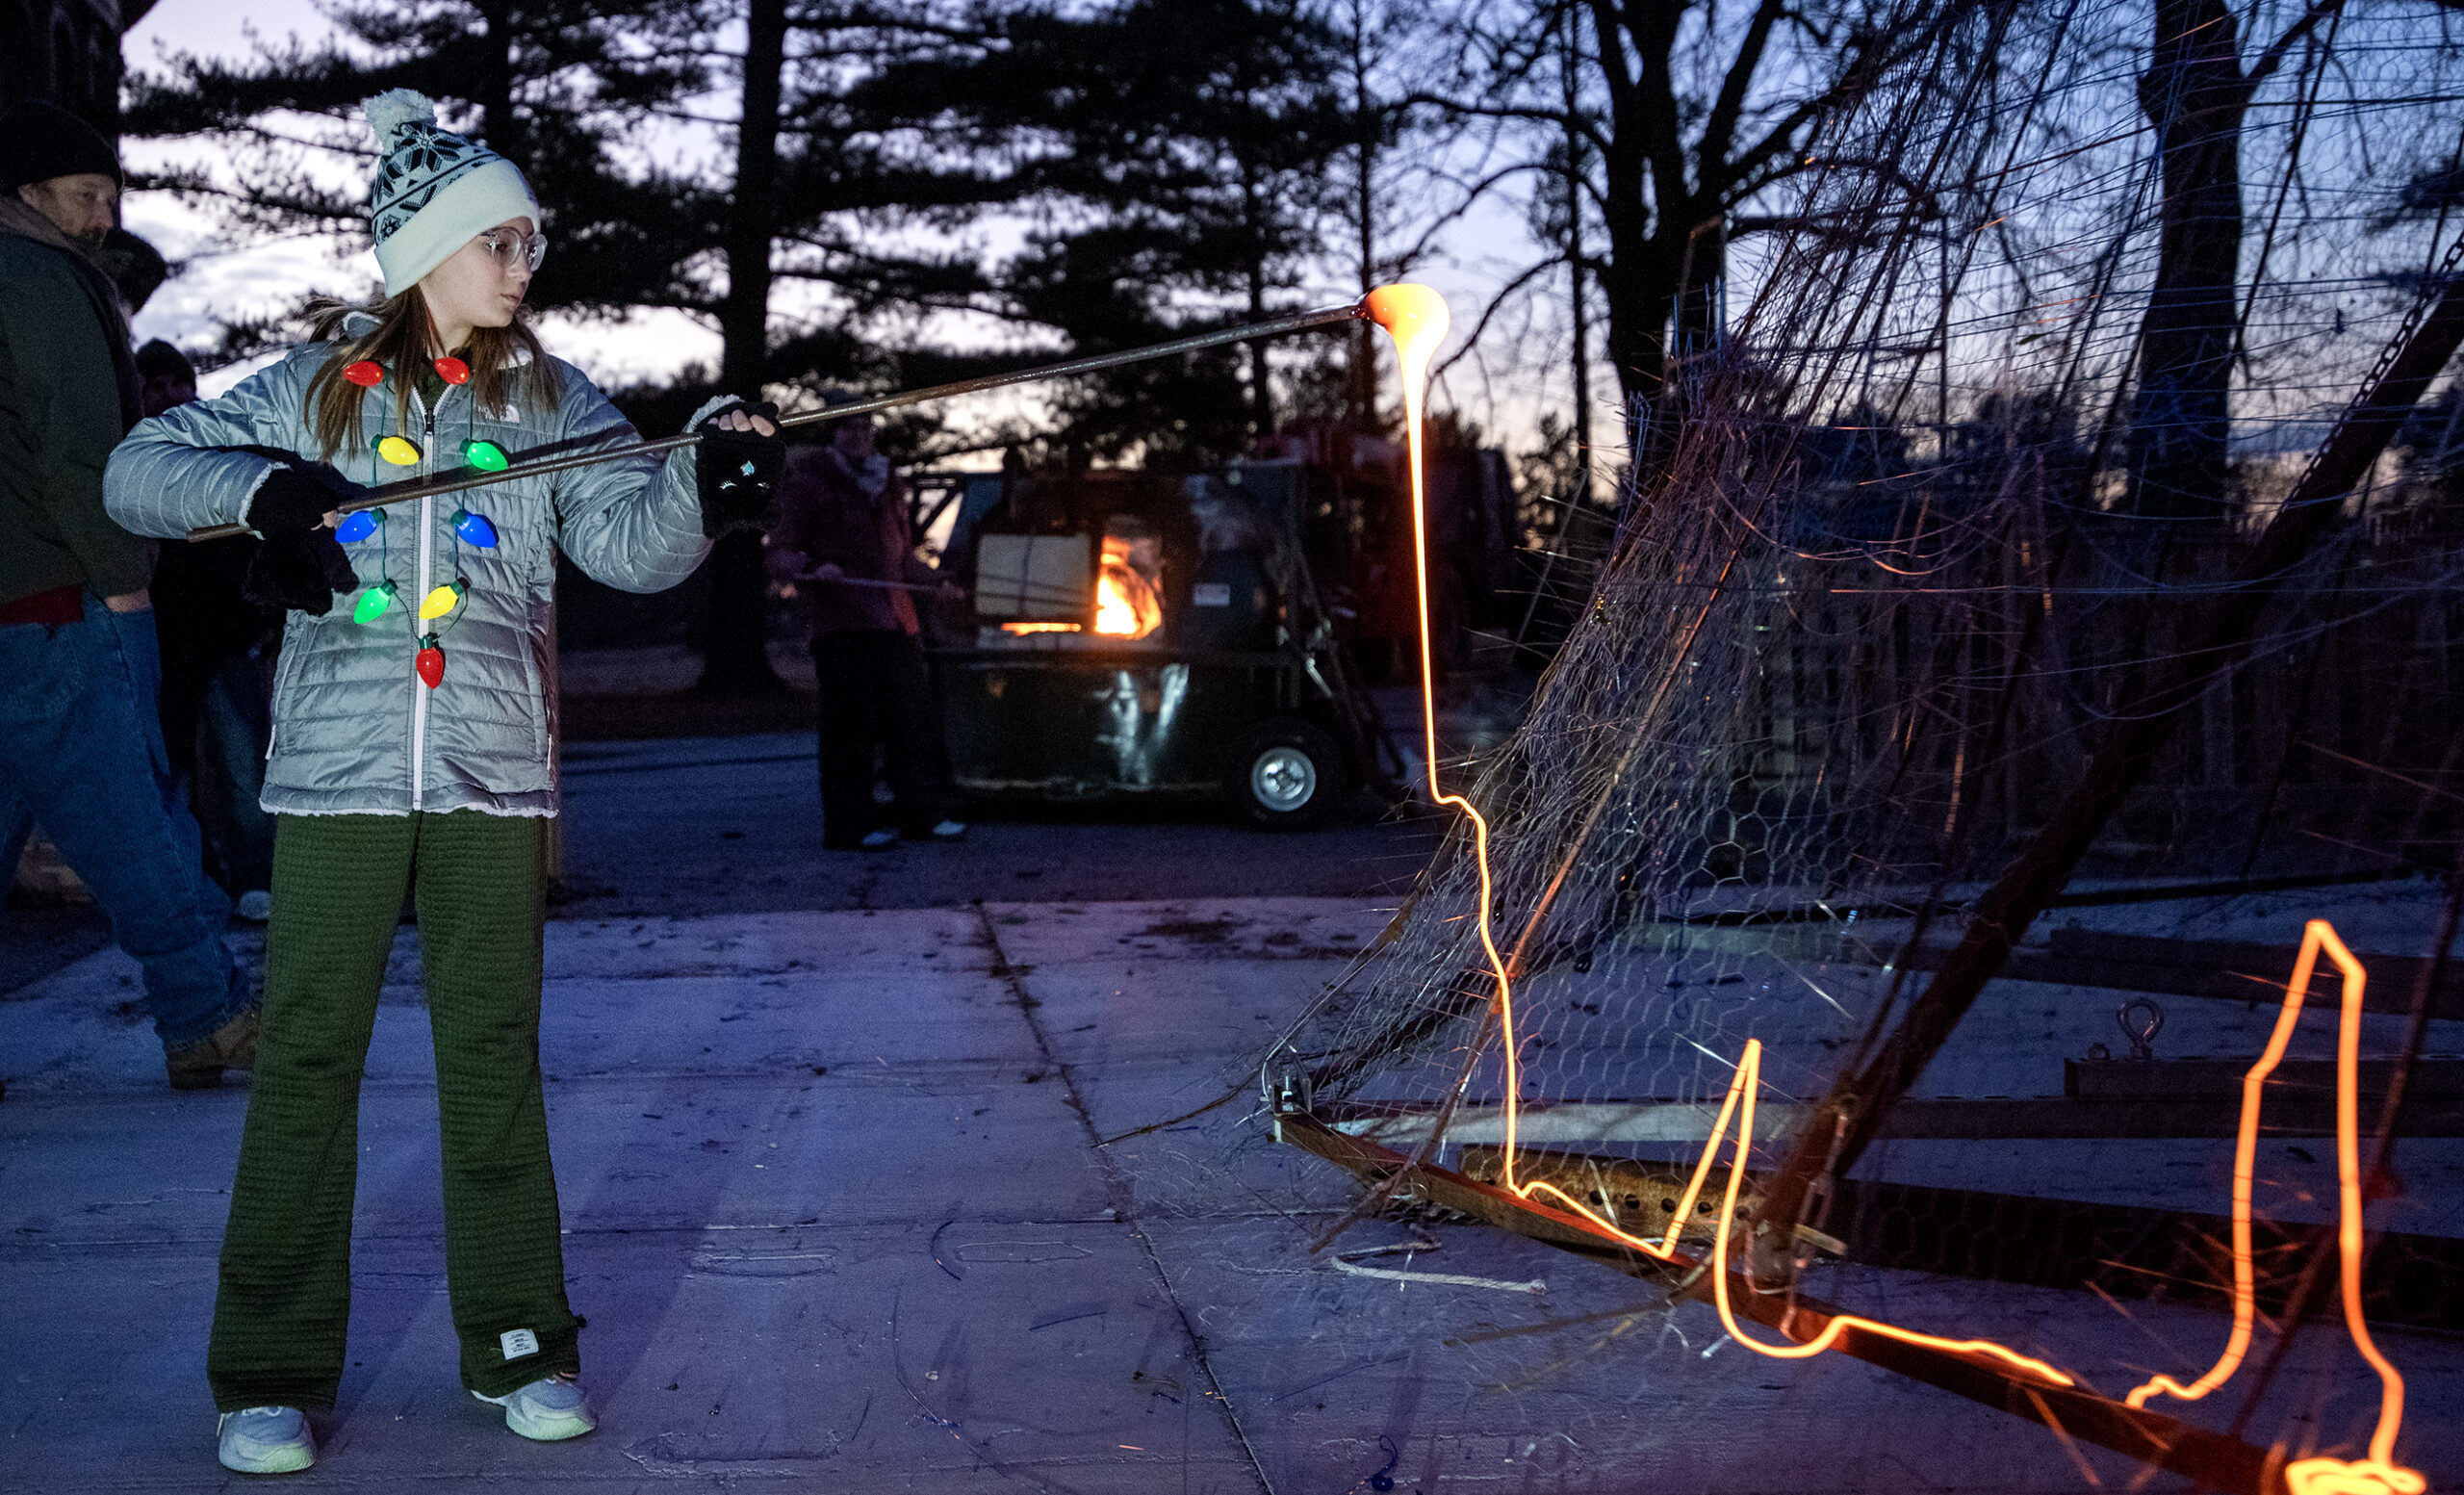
[(266, 1440), (547, 1410)]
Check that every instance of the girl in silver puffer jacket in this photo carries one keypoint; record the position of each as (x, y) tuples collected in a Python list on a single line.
[(414, 752)]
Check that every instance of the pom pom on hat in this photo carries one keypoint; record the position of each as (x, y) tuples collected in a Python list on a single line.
[(435, 189), (390, 111)]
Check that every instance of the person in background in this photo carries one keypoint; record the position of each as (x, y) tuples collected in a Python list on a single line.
[(1231, 605), (165, 378), (217, 720), (842, 541), (135, 268), (80, 748)]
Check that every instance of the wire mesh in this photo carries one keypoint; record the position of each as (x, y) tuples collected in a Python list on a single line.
[(1904, 541)]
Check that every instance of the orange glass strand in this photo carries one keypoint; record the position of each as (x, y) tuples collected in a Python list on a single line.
[(1416, 317)]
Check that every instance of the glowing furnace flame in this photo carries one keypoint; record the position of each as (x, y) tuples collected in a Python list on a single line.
[(1126, 605)]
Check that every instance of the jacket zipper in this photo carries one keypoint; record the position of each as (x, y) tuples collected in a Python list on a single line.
[(418, 594)]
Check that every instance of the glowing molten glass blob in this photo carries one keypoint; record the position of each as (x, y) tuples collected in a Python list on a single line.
[(1126, 605), (1039, 627)]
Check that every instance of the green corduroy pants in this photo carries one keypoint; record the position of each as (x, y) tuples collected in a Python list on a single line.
[(284, 1300)]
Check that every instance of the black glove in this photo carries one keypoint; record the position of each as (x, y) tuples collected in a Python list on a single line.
[(299, 497), (738, 472), (301, 564), (299, 568)]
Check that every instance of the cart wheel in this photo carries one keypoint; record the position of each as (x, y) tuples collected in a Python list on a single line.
[(1283, 774)]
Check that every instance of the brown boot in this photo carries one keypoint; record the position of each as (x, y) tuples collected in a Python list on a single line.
[(199, 1066)]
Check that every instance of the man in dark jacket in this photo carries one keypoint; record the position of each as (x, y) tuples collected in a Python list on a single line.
[(842, 541), (81, 750), (218, 649)]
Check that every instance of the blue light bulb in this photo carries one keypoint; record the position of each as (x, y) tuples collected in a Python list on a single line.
[(474, 529), (358, 527)]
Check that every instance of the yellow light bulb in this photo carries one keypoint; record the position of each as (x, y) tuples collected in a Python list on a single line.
[(437, 604), (401, 451)]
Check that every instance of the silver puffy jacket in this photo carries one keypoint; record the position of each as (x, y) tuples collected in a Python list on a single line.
[(355, 730)]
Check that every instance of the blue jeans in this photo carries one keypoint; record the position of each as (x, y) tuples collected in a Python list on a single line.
[(81, 752), (226, 774)]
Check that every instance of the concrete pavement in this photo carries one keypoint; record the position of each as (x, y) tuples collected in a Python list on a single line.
[(840, 1221)]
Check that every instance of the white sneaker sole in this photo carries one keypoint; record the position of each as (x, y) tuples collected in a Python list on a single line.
[(247, 1456), (553, 1429)]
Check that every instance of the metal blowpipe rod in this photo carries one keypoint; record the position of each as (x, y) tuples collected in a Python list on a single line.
[(426, 488)]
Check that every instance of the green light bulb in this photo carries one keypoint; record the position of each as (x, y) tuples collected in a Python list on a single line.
[(374, 601)]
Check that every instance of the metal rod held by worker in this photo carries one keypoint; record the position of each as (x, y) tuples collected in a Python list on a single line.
[(879, 586), (426, 488)]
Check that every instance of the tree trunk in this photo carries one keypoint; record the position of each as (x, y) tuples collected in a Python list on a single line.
[(1642, 156), (1690, 252), (1261, 394), (1702, 249), (497, 123), (1362, 405), (2194, 94), (1647, 299), (1577, 429), (1638, 294), (735, 658)]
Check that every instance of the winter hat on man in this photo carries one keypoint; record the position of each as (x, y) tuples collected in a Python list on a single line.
[(39, 141), (435, 191)]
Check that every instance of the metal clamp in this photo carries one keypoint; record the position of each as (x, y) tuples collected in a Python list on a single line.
[(1283, 1086), (2142, 1034)]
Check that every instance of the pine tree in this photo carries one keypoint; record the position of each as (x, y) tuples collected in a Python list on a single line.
[(1178, 156), (559, 86), (840, 187)]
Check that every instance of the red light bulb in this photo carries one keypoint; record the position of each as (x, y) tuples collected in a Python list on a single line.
[(367, 374), (430, 661), (452, 371)]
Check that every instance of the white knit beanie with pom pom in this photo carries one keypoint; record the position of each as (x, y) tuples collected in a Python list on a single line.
[(435, 191)]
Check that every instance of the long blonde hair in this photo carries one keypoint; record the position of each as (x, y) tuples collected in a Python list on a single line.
[(401, 344)]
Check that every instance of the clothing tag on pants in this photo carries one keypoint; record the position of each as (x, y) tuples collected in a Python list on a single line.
[(518, 1342)]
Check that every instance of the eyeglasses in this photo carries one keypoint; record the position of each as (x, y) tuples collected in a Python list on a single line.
[(505, 247)]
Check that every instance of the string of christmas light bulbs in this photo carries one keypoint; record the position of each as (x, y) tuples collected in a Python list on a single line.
[(469, 529)]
